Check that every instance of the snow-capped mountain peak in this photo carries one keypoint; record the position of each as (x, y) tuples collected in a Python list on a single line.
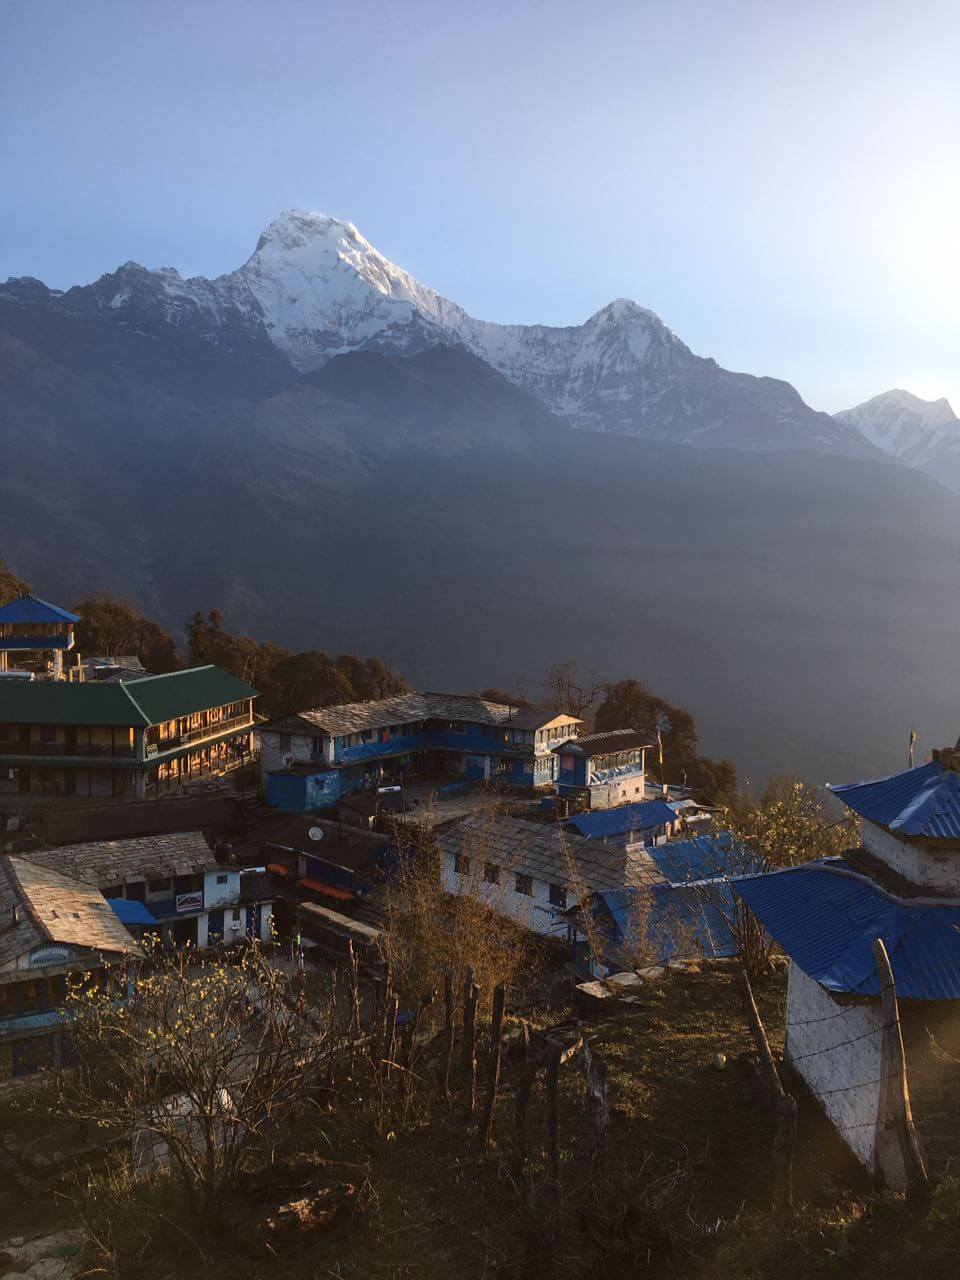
[(904, 426), (315, 288)]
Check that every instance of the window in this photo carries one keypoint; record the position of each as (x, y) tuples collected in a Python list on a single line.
[(461, 864), (158, 886), (558, 895), (525, 885), (285, 741), (491, 873), (135, 891), (222, 879), (113, 891)]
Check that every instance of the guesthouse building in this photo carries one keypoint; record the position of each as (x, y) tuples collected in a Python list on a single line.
[(172, 886), (602, 770), (899, 885), (125, 739), (311, 760), (53, 929)]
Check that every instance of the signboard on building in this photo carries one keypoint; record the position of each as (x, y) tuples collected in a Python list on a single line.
[(189, 902), (41, 957)]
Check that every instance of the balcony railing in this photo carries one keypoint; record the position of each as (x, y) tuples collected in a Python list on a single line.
[(198, 735)]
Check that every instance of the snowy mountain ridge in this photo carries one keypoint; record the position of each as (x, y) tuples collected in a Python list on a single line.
[(314, 288), (901, 424)]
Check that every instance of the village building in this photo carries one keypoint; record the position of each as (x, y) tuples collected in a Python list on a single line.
[(52, 929), (602, 770), (310, 760), (902, 886), (66, 740), (628, 826), (324, 860), (171, 885), (530, 872), (679, 908), (31, 626)]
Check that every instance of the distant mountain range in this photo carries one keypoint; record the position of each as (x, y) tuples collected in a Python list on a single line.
[(338, 457), (314, 288), (924, 434)]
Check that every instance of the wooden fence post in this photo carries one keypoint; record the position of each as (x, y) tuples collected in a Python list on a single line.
[(785, 1107), (896, 1156), (496, 1057), (554, 1055), (595, 1074), (471, 993), (521, 1100), (448, 1035)]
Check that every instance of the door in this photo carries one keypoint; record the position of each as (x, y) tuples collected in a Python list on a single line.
[(214, 928)]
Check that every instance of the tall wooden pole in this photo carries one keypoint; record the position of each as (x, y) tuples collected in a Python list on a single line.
[(897, 1161)]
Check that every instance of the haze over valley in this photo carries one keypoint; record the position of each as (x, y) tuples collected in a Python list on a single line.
[(338, 456)]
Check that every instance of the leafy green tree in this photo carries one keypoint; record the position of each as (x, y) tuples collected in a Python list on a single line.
[(628, 704), (11, 584)]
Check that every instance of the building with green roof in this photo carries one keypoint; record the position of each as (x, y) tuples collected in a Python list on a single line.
[(126, 739)]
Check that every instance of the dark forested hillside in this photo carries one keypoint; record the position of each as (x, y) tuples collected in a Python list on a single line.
[(800, 605)]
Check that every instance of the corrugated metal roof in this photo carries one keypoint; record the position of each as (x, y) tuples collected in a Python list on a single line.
[(129, 911), (706, 857), (825, 917), (676, 915), (145, 701), (32, 609), (628, 817), (924, 801)]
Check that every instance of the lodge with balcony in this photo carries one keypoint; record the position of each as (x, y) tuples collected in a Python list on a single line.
[(126, 740), (312, 759)]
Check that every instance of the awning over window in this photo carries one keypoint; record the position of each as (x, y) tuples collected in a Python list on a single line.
[(317, 886)]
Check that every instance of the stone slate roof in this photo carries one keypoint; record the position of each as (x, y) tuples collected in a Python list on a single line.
[(109, 862), (54, 908), (547, 853), (353, 717)]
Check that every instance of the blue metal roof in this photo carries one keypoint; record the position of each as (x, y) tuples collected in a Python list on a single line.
[(675, 912), (703, 858), (825, 917), (32, 609), (628, 817), (924, 801), (128, 911)]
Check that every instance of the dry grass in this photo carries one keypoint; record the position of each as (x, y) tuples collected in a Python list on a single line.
[(685, 1192)]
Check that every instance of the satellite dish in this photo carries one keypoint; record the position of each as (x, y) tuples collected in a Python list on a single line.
[(315, 833)]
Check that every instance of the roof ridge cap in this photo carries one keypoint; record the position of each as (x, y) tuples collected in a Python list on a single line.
[(162, 675)]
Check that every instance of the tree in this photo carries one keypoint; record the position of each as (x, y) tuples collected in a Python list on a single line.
[(784, 827), (107, 627), (506, 699), (11, 584), (111, 628), (210, 1058), (573, 692), (629, 704), (299, 681)]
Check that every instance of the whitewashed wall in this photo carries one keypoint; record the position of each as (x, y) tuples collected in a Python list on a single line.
[(934, 868), (271, 755), (836, 1048), (536, 913)]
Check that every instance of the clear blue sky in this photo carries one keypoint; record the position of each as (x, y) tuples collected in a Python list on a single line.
[(780, 181)]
